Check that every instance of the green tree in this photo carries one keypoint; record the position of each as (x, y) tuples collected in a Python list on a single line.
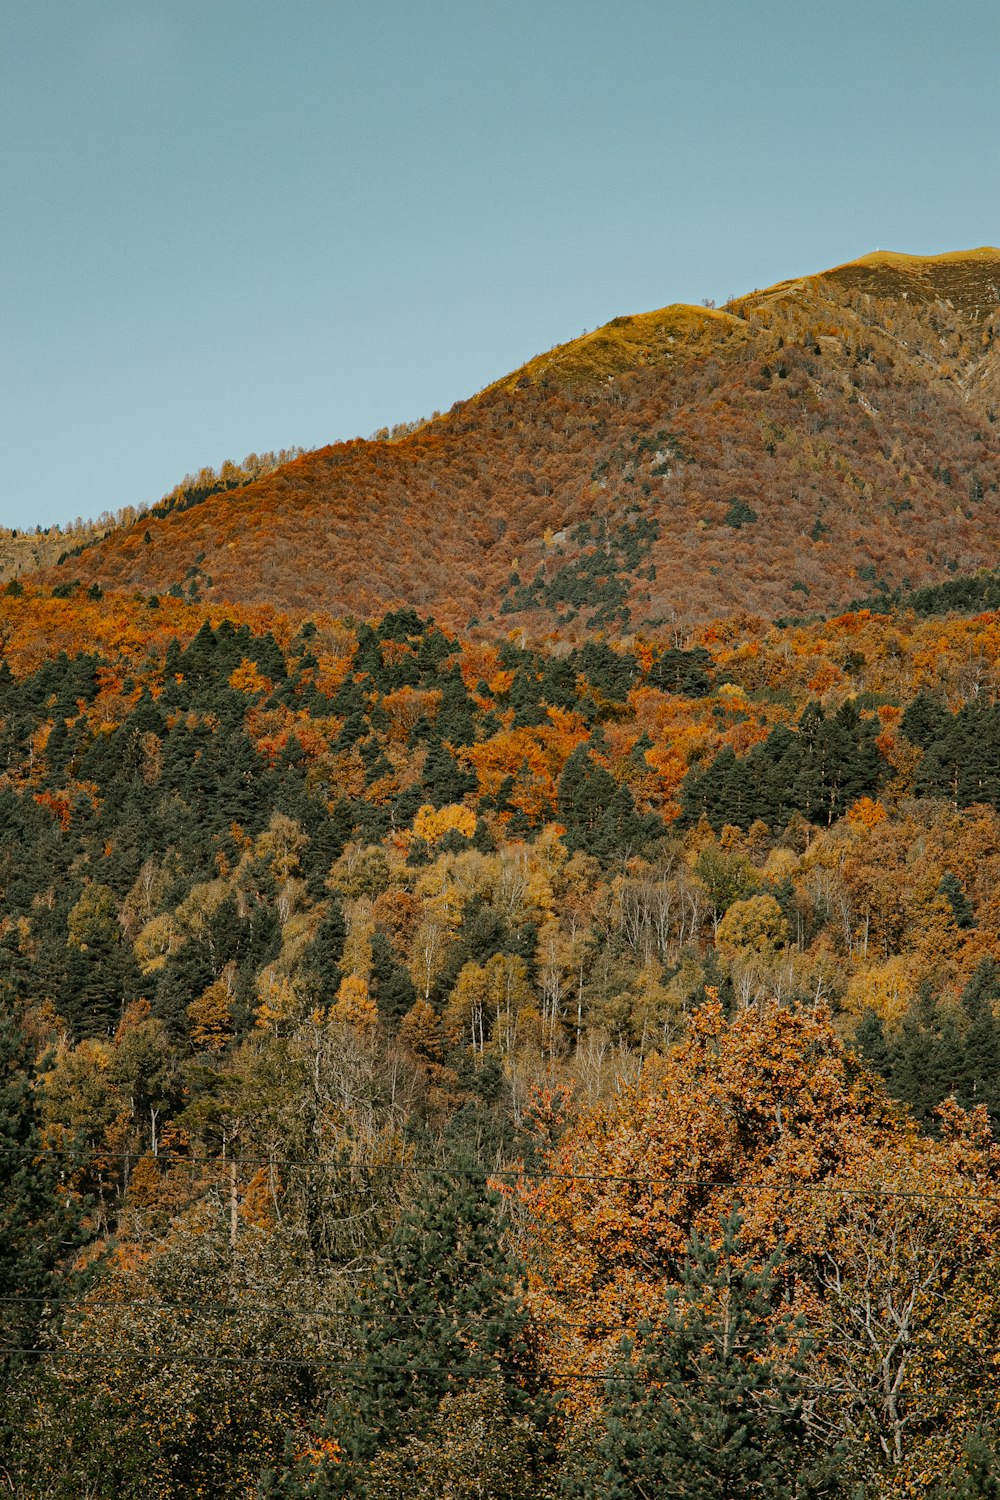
[(869, 1039), (977, 1477), (954, 892), (979, 1078), (599, 816), (39, 1223), (442, 1316), (927, 1058), (707, 1405)]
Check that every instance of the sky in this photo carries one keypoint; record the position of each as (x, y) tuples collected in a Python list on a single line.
[(232, 225)]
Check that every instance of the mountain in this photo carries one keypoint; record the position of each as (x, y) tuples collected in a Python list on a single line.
[(827, 438), (23, 552), (316, 931)]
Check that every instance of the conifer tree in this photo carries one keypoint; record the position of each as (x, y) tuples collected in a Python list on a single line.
[(979, 1078), (869, 1038), (443, 778), (926, 719), (978, 1475), (707, 1405), (442, 1316), (39, 1223), (598, 815), (927, 1060), (951, 888)]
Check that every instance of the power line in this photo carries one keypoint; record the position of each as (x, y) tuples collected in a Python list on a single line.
[(441, 1320), (114, 1359), (514, 1174)]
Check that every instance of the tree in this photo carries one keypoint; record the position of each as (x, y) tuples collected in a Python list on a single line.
[(39, 1219), (707, 1403), (869, 1038), (599, 816), (756, 925), (443, 778), (442, 1316), (962, 909), (977, 1477), (927, 1057), (474, 1447), (979, 1076)]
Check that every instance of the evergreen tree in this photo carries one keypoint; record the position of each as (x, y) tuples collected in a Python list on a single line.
[(611, 672), (455, 722), (442, 1316), (962, 910), (443, 778), (400, 625), (978, 1475), (599, 816), (39, 1222), (394, 989), (926, 719), (979, 768), (927, 1058), (817, 770), (979, 1078), (869, 1038), (684, 672), (708, 1404)]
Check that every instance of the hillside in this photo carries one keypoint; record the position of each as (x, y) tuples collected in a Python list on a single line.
[(307, 928), (811, 443), (23, 552)]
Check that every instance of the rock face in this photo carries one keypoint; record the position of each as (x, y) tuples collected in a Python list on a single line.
[(807, 445)]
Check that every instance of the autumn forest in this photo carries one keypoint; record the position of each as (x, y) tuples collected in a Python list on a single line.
[(500, 936)]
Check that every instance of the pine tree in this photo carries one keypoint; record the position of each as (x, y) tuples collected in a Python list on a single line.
[(926, 719), (961, 907), (598, 815), (441, 1317), (978, 1475), (869, 1038), (702, 1406), (39, 1223), (443, 778), (927, 1059), (979, 1077)]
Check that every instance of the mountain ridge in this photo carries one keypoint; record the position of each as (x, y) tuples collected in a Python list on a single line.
[(821, 435)]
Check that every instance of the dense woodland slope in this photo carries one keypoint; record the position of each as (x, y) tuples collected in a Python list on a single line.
[(558, 1056), (785, 455), (305, 928)]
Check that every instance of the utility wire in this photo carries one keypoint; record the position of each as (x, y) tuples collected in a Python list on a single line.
[(441, 1320), (517, 1174), (114, 1359)]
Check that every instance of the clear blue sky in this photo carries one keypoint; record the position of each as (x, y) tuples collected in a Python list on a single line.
[(233, 225)]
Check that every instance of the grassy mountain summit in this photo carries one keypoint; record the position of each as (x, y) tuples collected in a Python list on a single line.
[(812, 442), (967, 279), (627, 344)]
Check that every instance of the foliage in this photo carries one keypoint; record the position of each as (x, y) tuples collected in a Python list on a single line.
[(592, 489), (699, 1405)]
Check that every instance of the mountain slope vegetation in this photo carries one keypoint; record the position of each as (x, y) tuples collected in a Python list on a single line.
[(783, 455), (307, 928), (545, 1042)]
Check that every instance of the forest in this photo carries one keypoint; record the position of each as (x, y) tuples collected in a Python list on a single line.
[(434, 1064), (812, 445)]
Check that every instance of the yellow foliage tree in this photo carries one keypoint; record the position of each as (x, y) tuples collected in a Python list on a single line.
[(756, 925), (354, 1006), (210, 1017), (887, 988), (248, 678), (431, 824)]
